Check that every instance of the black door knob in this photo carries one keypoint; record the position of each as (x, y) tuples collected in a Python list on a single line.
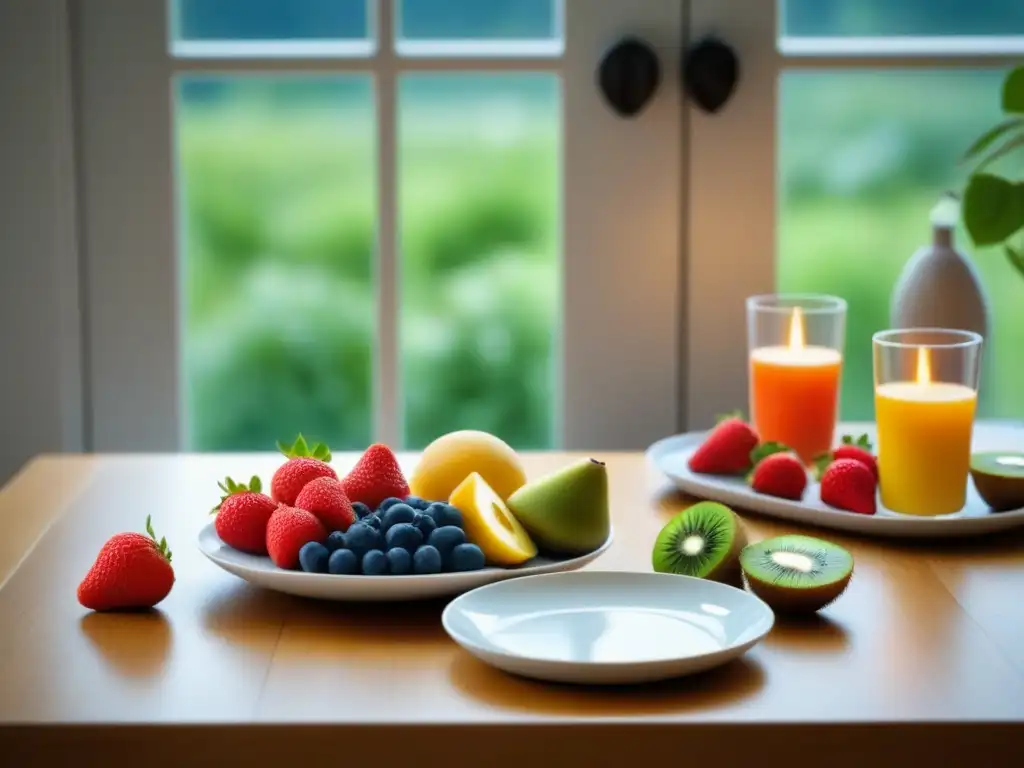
[(629, 75), (711, 70)]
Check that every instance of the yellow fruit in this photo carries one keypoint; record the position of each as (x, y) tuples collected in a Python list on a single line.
[(490, 525), (447, 461)]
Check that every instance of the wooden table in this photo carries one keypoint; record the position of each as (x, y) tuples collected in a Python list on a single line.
[(922, 658)]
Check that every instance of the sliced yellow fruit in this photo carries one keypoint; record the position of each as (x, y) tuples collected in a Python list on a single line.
[(489, 524)]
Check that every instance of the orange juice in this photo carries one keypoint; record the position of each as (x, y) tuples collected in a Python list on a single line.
[(794, 396), (924, 445)]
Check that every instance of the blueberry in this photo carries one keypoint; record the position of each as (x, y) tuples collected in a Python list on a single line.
[(361, 538), (445, 539), (426, 560), (313, 557), (416, 502), (335, 541), (361, 509), (404, 535), (375, 563), (449, 515), (435, 511), (400, 513), (399, 561), (343, 562), (425, 523), (466, 557), (372, 520), (387, 504)]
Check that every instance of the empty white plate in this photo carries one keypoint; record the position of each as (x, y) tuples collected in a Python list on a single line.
[(602, 628)]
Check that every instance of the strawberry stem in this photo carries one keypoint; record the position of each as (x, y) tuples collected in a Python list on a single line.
[(821, 463), (861, 441), (731, 415), (300, 448), (764, 450), (160, 545)]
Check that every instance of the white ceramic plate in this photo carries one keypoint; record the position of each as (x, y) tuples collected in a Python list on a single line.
[(607, 628), (263, 573), (671, 455)]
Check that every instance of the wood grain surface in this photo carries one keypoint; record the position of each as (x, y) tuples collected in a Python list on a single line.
[(923, 656)]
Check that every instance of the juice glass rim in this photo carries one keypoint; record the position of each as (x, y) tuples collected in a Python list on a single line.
[(958, 339), (809, 303)]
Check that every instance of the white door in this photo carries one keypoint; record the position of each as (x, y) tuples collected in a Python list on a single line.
[(819, 175), (376, 220)]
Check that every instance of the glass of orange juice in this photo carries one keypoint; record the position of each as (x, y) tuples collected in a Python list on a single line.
[(926, 392), (796, 360)]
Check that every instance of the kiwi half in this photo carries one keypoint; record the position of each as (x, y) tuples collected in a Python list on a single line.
[(999, 478), (704, 540), (796, 574)]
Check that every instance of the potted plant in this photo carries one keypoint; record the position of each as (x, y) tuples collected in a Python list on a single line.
[(993, 204)]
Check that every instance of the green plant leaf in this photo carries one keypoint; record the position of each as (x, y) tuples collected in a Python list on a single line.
[(1016, 258), (861, 441), (255, 484), (993, 208), (986, 139), (1013, 92), (764, 450), (821, 462)]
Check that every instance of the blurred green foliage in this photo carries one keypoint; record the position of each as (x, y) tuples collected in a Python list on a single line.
[(279, 202)]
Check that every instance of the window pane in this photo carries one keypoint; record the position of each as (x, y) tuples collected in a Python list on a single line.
[(863, 158), (239, 20), (479, 231), (476, 20), (277, 187), (885, 18)]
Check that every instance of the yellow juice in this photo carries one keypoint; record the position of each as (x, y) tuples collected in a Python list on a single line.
[(924, 445)]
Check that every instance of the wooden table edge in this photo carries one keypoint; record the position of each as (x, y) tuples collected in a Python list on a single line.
[(557, 743)]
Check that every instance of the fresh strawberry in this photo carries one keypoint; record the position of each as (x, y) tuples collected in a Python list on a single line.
[(726, 450), (131, 571), (848, 484), (858, 449), (375, 477), (242, 516), (777, 472), (304, 464), (326, 499), (288, 531)]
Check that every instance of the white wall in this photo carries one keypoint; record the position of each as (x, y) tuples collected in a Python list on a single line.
[(40, 355)]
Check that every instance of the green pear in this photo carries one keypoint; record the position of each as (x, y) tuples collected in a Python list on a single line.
[(566, 511)]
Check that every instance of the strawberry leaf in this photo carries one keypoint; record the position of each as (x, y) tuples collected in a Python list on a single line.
[(764, 450), (300, 448), (726, 416), (862, 441), (822, 461), (230, 488), (160, 545)]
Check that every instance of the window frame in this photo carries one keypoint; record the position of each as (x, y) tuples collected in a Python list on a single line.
[(619, 384)]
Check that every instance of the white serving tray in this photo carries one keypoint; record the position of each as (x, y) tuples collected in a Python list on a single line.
[(671, 454)]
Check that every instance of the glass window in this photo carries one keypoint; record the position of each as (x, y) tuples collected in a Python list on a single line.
[(906, 18), (277, 183), (479, 233), (475, 20), (863, 157)]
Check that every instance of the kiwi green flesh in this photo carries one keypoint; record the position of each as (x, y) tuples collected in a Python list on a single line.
[(796, 574), (999, 478), (703, 541)]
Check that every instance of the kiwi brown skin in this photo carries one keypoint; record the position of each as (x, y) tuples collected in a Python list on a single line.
[(790, 591), (716, 523), (1000, 486)]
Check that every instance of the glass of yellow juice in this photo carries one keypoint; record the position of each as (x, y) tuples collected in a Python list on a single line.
[(926, 392)]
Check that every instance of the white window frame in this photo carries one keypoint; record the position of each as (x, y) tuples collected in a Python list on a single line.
[(620, 385), (731, 238)]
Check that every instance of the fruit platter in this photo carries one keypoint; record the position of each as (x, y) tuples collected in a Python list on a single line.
[(466, 516), (840, 490)]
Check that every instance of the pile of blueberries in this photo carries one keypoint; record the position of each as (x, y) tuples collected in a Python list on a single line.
[(400, 537)]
